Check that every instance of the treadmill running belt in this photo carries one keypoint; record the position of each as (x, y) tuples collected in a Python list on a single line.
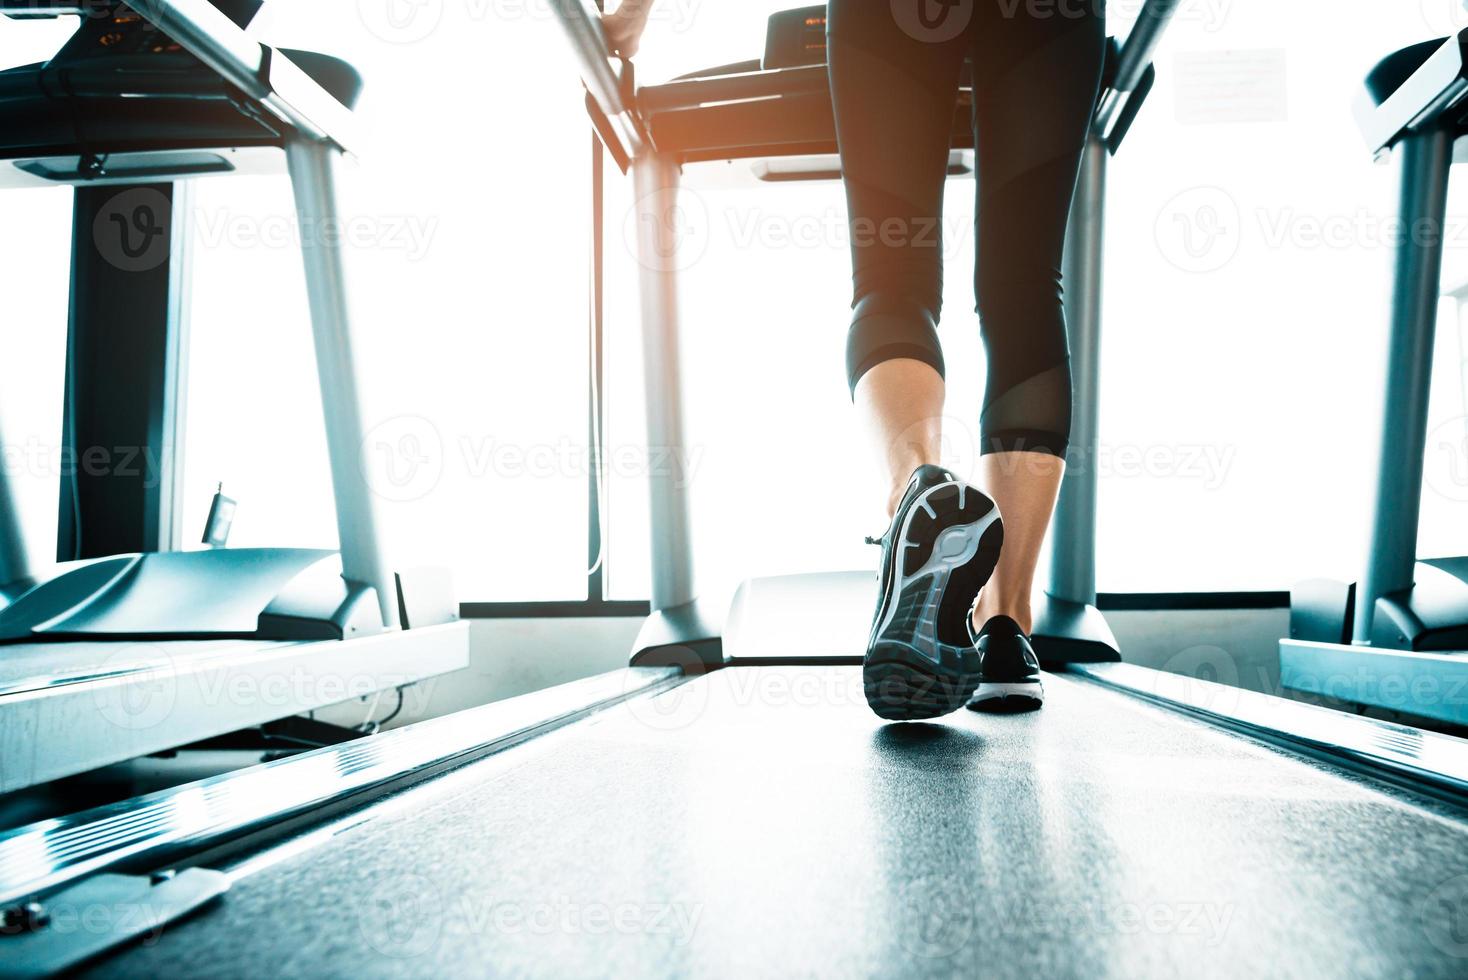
[(760, 821)]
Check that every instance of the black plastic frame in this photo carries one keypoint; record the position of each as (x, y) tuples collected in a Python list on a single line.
[(121, 347)]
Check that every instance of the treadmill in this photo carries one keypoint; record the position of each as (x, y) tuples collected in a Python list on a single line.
[(771, 121), (757, 819), (1398, 638), (128, 644)]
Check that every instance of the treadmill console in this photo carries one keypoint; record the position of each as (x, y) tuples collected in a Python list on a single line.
[(123, 102), (796, 38), (119, 35)]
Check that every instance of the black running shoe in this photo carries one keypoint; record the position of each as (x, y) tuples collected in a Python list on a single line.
[(1009, 671), (939, 552)]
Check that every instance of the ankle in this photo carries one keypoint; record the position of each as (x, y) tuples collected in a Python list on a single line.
[(1016, 610), (901, 476)]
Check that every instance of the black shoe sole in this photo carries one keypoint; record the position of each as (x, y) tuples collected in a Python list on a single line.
[(920, 664)]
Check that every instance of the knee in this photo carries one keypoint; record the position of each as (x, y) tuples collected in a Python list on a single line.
[(886, 325), (1008, 288), (1023, 322)]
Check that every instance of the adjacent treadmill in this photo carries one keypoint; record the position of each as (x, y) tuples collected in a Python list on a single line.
[(1398, 638), (129, 644), (730, 819)]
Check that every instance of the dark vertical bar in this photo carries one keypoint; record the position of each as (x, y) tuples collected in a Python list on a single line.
[(119, 368), (596, 427)]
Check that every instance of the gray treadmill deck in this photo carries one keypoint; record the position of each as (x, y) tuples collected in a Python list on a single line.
[(760, 821)]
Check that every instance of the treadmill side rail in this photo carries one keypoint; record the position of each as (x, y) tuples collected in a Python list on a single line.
[(1427, 685), (118, 700), (236, 810), (1419, 761)]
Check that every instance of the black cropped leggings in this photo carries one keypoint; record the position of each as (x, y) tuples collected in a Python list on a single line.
[(895, 72)]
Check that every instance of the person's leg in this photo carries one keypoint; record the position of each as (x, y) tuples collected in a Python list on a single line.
[(894, 90), (1035, 91), (894, 98), (900, 403), (1025, 486)]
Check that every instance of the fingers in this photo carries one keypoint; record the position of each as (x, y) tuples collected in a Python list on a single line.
[(624, 34), (626, 47)]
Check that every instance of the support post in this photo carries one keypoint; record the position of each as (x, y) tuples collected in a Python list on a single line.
[(679, 632), (312, 172), (1073, 548), (1424, 159), (655, 184), (1068, 627)]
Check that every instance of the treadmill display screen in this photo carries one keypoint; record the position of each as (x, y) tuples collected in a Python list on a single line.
[(796, 38)]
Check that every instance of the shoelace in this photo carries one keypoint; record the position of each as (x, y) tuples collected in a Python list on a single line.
[(875, 541)]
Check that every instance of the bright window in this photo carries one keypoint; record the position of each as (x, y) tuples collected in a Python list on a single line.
[(1246, 293), (1248, 282), (1245, 301), (468, 216), (35, 256)]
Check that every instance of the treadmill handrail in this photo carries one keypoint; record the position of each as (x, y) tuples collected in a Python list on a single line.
[(1141, 43), (604, 75), (1439, 84), (1130, 80), (608, 89)]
